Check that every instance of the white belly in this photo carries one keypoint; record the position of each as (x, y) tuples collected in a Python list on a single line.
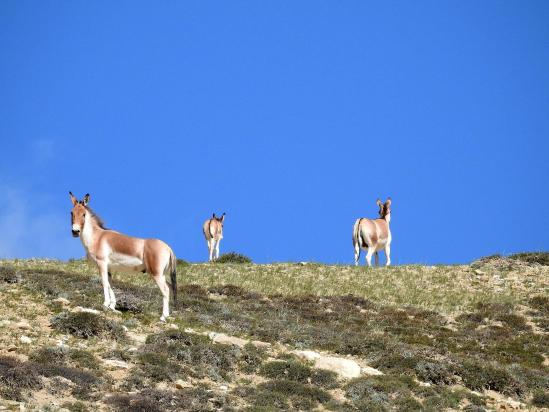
[(125, 263)]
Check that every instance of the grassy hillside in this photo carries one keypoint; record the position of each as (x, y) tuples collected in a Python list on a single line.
[(470, 337)]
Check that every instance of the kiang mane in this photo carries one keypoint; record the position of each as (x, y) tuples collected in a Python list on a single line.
[(96, 218)]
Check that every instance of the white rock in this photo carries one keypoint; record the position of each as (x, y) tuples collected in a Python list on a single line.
[(346, 368), (4, 323), (25, 339), (116, 363), (63, 301), (224, 388), (24, 325), (226, 339), (172, 326), (259, 344), (180, 384), (87, 310), (479, 272), (307, 355), (368, 370)]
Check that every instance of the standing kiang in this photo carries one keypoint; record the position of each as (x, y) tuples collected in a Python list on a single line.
[(213, 232), (111, 250), (373, 235)]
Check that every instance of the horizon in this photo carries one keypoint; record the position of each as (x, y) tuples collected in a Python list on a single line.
[(291, 118)]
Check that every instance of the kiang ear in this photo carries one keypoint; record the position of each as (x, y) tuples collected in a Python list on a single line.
[(388, 202), (223, 217), (378, 202), (73, 199), (213, 216), (86, 199)]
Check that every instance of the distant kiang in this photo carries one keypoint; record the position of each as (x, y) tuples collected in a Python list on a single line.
[(213, 232), (373, 235), (111, 250)]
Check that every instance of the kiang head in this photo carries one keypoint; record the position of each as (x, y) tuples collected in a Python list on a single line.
[(384, 209), (79, 213), (219, 219)]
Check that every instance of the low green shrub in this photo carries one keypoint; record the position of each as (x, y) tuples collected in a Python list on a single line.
[(233, 257), (86, 325)]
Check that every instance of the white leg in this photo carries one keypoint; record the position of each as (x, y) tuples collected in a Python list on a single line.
[(217, 249), (104, 271), (388, 254), (376, 257), (112, 303), (357, 253), (163, 286), (369, 255), (210, 249)]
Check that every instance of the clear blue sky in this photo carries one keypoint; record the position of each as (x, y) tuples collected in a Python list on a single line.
[(292, 117)]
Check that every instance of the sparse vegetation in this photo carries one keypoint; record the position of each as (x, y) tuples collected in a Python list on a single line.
[(437, 333)]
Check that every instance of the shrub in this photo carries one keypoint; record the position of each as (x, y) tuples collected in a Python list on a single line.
[(324, 378), (478, 376), (541, 399), (128, 302), (196, 354), (15, 377), (182, 262), (541, 258), (8, 274), (291, 370), (85, 325), (233, 257), (434, 372), (251, 358), (152, 400)]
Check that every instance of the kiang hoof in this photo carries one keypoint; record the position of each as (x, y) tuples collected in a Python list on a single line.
[(163, 319)]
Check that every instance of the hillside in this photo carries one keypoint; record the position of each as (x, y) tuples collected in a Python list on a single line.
[(278, 337)]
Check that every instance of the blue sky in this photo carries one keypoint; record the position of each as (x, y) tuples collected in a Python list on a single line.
[(291, 117)]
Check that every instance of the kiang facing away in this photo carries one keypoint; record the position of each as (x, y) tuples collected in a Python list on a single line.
[(374, 234), (213, 232), (111, 250)]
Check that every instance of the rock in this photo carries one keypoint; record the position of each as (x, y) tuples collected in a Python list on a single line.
[(368, 370), (115, 363), (12, 348), (224, 388), (479, 272), (181, 384), (132, 349), (23, 325), (227, 340), (345, 368), (62, 301), (87, 310), (260, 345), (172, 326), (25, 339), (307, 355), (4, 323)]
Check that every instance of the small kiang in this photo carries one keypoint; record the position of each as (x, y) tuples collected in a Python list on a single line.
[(114, 251), (213, 232), (373, 235)]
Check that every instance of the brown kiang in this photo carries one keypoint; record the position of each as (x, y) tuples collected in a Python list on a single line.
[(373, 235), (114, 251), (213, 232)]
